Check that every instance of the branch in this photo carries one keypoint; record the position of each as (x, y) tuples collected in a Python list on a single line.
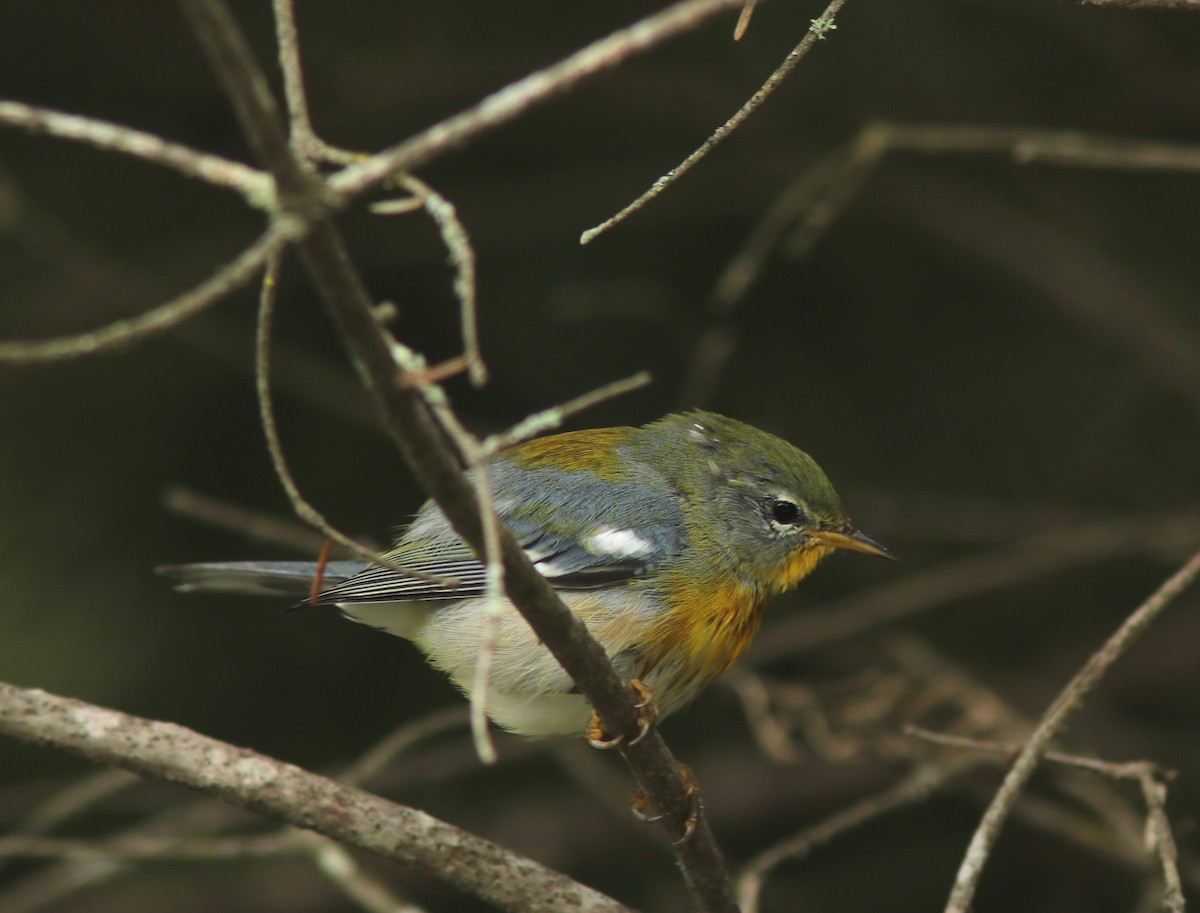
[(819, 196), (1149, 777), (1052, 722), (817, 32), (407, 416), (516, 98), (122, 333), (916, 787), (252, 184), (167, 751)]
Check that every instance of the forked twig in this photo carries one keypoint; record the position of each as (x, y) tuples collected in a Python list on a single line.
[(1148, 775), (1052, 721)]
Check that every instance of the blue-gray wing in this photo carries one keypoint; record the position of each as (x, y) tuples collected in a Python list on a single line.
[(579, 532)]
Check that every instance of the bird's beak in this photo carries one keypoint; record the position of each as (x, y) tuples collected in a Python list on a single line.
[(849, 538)]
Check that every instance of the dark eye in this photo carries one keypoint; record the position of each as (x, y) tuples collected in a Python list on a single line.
[(784, 512)]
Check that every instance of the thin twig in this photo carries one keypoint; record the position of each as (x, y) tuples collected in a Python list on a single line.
[(820, 27), (123, 333), (549, 419), (336, 863), (305, 142), (262, 384), (462, 258), (384, 753), (75, 799), (67, 803), (1148, 775), (253, 525), (1051, 723), (743, 22), (291, 794), (767, 728), (255, 186), (518, 97), (915, 787), (821, 194), (493, 611)]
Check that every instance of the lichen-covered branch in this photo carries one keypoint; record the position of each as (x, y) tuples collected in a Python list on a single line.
[(291, 794)]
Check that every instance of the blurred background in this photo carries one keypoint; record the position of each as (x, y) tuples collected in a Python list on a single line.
[(997, 363)]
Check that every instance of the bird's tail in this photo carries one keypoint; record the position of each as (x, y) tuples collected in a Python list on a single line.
[(256, 578)]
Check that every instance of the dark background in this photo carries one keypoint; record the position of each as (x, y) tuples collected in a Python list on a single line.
[(977, 352)]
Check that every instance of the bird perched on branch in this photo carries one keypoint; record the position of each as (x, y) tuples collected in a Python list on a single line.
[(666, 540)]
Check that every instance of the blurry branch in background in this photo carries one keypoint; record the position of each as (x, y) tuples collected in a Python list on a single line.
[(240, 271), (188, 824), (1049, 551), (916, 787), (888, 714), (818, 30), (67, 804), (806, 209), (296, 796), (254, 525), (743, 22)]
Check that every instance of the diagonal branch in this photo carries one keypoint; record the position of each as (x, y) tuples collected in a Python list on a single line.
[(122, 333), (212, 169), (1052, 722), (515, 99), (288, 793), (817, 32), (408, 419)]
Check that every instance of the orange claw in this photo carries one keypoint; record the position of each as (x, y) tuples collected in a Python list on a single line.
[(638, 805), (595, 735), (646, 703), (691, 787)]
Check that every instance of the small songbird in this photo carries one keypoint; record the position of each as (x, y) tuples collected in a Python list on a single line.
[(666, 540)]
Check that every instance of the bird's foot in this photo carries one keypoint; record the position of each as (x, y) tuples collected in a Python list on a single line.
[(639, 805), (647, 713)]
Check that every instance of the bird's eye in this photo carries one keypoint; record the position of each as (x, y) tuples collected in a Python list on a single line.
[(784, 512)]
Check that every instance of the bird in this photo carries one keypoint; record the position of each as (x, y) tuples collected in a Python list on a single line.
[(667, 540)]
